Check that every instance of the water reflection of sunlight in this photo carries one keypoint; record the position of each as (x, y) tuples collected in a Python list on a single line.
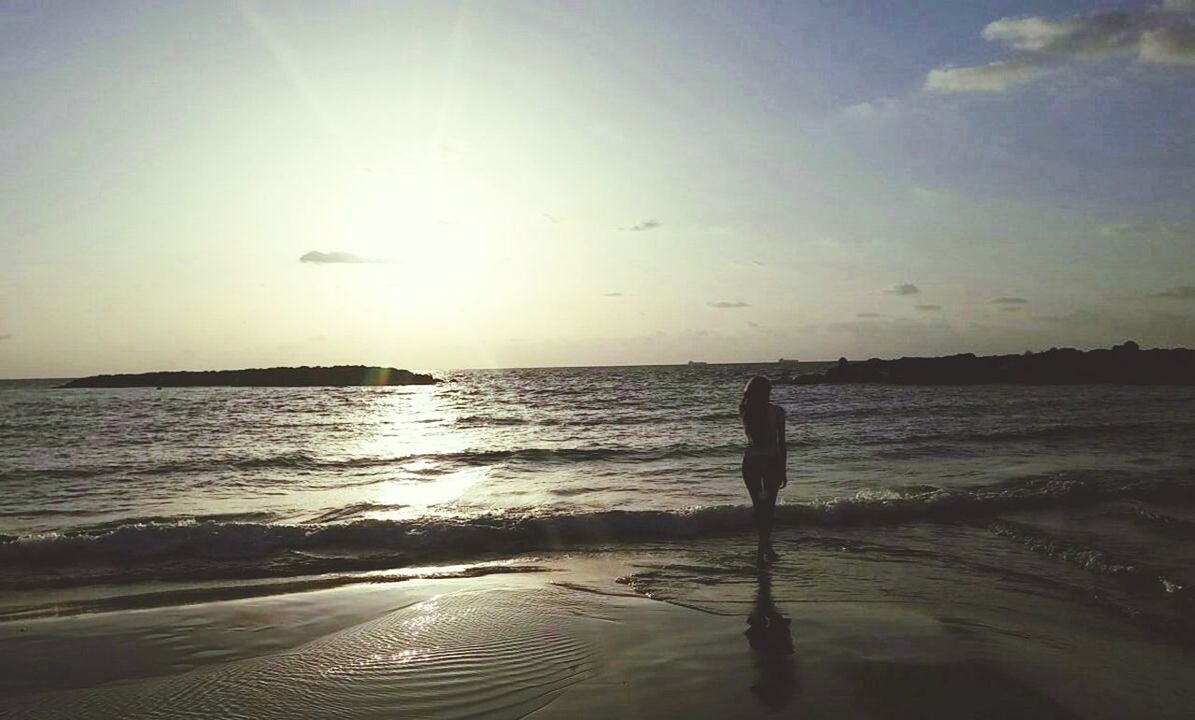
[(420, 497), (405, 422), (443, 571), (416, 423)]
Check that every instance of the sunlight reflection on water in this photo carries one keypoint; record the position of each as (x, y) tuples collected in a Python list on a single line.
[(421, 497)]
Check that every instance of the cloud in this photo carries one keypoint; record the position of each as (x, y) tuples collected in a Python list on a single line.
[(1141, 229), (727, 305), (1030, 33), (872, 108), (903, 289), (927, 194), (612, 294), (1085, 36), (927, 308), (338, 256), (1011, 301), (993, 77), (1172, 46), (868, 315), (1182, 292), (1160, 34), (644, 226)]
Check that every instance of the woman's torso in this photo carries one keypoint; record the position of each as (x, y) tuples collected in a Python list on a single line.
[(766, 442)]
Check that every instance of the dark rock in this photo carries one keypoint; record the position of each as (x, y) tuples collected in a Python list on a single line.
[(1123, 364), (337, 376)]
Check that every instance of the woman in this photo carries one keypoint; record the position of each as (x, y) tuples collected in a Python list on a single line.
[(764, 460)]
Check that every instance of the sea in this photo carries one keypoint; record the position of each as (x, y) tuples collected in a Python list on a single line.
[(1081, 492)]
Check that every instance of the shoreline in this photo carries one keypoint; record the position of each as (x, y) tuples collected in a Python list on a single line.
[(655, 631)]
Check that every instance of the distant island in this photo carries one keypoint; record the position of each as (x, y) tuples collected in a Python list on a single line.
[(337, 376), (1123, 364)]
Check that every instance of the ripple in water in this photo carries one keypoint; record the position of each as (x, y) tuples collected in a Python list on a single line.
[(496, 653)]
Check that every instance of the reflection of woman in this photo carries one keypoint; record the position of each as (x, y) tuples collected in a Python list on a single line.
[(765, 458), (771, 639)]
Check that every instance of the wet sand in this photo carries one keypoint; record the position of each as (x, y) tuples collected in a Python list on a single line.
[(581, 639)]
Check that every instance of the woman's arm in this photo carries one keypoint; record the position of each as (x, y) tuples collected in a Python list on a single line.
[(782, 445)]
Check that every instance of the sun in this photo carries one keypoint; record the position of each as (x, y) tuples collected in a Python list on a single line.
[(437, 232)]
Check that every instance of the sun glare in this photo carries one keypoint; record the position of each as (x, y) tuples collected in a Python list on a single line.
[(435, 232)]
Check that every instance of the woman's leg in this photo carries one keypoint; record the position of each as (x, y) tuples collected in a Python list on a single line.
[(771, 484), (753, 478), (764, 513)]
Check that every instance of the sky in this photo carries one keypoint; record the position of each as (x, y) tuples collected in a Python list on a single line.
[(209, 185)]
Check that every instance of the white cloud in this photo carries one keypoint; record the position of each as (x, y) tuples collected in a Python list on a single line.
[(871, 108), (1142, 229), (1031, 33), (1161, 34), (993, 77)]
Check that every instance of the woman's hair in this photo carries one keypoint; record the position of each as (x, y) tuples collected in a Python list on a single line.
[(753, 408)]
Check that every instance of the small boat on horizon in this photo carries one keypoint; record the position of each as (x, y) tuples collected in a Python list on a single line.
[(697, 363), (782, 362)]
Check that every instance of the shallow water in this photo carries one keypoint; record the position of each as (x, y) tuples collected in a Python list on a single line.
[(852, 631)]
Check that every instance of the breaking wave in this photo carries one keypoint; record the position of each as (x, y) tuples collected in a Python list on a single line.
[(242, 547)]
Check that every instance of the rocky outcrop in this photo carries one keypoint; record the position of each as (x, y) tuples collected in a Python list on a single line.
[(1124, 364), (337, 376)]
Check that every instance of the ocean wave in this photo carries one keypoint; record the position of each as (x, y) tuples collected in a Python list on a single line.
[(883, 445), (346, 543), (1080, 555), (1181, 527), (1051, 432), (1145, 580), (351, 511), (310, 462), (491, 420), (239, 591), (614, 414)]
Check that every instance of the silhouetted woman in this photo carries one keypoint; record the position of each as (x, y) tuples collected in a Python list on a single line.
[(764, 460)]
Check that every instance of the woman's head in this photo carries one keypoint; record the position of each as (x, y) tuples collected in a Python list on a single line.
[(753, 408), (757, 390)]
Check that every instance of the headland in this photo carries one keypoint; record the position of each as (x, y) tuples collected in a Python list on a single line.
[(305, 376), (1124, 364)]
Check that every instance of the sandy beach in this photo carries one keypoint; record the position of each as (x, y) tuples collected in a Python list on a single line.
[(641, 632)]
